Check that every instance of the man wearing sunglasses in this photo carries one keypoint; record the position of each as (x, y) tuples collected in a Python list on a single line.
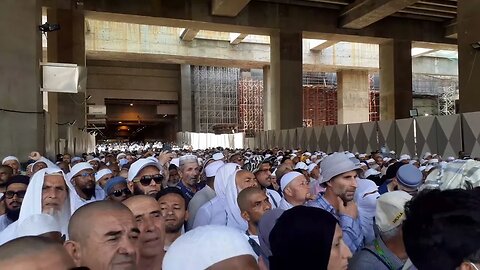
[(117, 189), (15, 191), (82, 177), (145, 177)]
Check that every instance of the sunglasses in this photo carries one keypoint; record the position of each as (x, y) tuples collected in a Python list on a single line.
[(147, 179), (120, 192), (20, 194)]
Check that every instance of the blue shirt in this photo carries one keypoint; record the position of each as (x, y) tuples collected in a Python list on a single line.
[(351, 228), (383, 188), (189, 193)]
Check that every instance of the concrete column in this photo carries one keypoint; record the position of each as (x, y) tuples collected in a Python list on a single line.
[(468, 23), (20, 54), (353, 96), (186, 102), (395, 79), (68, 46), (283, 95)]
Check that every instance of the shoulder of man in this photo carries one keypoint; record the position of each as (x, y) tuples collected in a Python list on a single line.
[(365, 259)]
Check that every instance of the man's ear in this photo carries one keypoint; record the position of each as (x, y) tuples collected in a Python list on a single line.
[(73, 249), (245, 216), (288, 191), (130, 185), (187, 215)]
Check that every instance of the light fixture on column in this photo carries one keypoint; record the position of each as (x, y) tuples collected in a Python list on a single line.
[(476, 45), (49, 27)]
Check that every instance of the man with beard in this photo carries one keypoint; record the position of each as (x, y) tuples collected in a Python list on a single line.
[(189, 171), (151, 224), (16, 188), (253, 203), (82, 177), (5, 173), (103, 235), (173, 207), (340, 177), (13, 163), (145, 177), (296, 190), (263, 178)]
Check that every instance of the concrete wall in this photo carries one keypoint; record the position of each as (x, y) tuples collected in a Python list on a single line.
[(426, 105), (144, 81)]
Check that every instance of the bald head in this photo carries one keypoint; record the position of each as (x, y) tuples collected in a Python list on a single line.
[(85, 217), (138, 199), (245, 196), (30, 252)]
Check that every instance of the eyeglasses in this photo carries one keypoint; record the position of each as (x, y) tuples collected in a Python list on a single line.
[(120, 192), (147, 179), (85, 175), (20, 194)]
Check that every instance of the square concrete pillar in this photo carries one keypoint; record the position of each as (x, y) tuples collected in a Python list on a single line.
[(468, 23), (21, 117), (396, 96), (283, 82), (353, 96), (186, 102), (67, 46)]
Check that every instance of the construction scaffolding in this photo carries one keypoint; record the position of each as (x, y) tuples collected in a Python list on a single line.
[(446, 100), (319, 99), (374, 105), (215, 97), (250, 106)]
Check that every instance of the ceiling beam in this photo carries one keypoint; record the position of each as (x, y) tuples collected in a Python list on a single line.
[(323, 45), (228, 8), (236, 38), (188, 34), (451, 29), (363, 13)]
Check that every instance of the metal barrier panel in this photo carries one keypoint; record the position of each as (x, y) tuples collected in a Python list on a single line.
[(405, 137), (471, 133), (278, 138), (426, 137), (386, 134), (284, 138), (301, 139), (292, 138), (321, 138), (357, 140), (271, 139), (371, 132), (310, 139), (342, 133), (333, 142)]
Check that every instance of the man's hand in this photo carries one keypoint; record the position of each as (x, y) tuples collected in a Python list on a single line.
[(165, 157), (35, 156), (348, 209)]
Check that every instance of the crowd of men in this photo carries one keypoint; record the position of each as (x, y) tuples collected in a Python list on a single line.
[(145, 207)]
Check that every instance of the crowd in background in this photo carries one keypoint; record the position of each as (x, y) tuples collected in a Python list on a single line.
[(160, 206)]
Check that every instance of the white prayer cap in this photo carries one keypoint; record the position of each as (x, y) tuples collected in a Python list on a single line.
[(307, 154), (287, 178), (94, 159), (38, 224), (78, 168), (429, 167), (267, 155), (121, 155), (176, 162), (450, 159), (279, 158), (371, 161), (311, 167), (313, 156), (405, 157), (209, 245), (152, 158), (76, 159), (9, 158), (212, 168), (138, 165), (350, 155), (218, 156), (432, 161), (427, 154), (371, 172), (101, 173), (385, 159), (308, 161), (422, 168), (392, 152), (187, 159), (301, 166), (362, 155)]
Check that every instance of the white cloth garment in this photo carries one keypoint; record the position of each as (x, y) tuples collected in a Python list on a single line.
[(214, 211), (37, 225), (284, 204), (206, 246), (199, 199), (4, 222), (234, 217), (32, 205), (366, 197), (273, 197)]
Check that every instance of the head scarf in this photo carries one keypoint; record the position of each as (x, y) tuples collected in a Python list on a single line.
[(221, 178), (366, 206), (301, 233), (32, 204), (208, 245), (234, 217)]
